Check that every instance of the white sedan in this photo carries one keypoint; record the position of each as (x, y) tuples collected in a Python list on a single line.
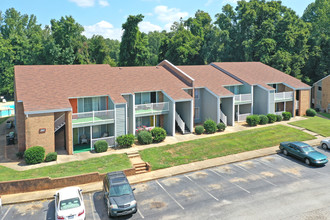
[(69, 204), (325, 144)]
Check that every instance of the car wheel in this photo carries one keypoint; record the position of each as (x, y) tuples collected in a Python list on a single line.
[(307, 161), (324, 146), (285, 152)]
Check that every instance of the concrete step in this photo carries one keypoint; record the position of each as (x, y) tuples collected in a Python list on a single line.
[(133, 155), (140, 168), (139, 164), (141, 171)]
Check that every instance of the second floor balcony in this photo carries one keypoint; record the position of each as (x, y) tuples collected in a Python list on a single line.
[(93, 117), (152, 108), (243, 98), (283, 96)]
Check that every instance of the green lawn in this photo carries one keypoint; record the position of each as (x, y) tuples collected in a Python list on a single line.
[(324, 114), (2, 120), (315, 124), (207, 148), (104, 164)]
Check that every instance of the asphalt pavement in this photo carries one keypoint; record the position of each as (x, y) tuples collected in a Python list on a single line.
[(275, 187)]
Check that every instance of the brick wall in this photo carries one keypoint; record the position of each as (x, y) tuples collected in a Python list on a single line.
[(304, 101), (325, 93), (35, 122), (20, 125)]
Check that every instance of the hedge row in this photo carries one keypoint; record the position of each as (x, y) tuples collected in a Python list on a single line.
[(254, 120), (155, 135), (36, 154), (209, 127)]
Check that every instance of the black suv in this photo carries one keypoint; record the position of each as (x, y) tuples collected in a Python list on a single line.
[(118, 195)]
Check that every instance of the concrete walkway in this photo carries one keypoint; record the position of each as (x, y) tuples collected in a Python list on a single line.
[(62, 157), (157, 174)]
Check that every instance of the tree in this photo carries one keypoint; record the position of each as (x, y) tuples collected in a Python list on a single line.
[(318, 15), (133, 47)]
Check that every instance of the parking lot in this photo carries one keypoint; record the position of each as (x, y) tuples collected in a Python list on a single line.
[(275, 187)]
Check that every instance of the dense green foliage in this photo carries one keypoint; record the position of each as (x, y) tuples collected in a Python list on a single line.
[(263, 119), (286, 116), (145, 137), (255, 30), (279, 117), (100, 146), (310, 112), (158, 134), (199, 129), (221, 126), (271, 118), (210, 126), (34, 155), (125, 140), (252, 120), (52, 156)]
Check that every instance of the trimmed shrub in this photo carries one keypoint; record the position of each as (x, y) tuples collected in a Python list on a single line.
[(145, 137), (279, 118), (271, 118), (310, 112), (199, 129), (263, 119), (52, 156), (221, 126), (286, 116), (252, 120), (210, 126), (101, 146), (125, 140), (34, 155), (159, 134)]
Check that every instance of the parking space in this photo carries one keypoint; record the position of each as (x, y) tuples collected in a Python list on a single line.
[(188, 196)]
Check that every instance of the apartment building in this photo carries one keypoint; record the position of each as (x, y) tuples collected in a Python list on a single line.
[(73, 106), (321, 94)]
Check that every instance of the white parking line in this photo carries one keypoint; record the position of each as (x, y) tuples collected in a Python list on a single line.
[(275, 168), (169, 195), (263, 178), (92, 205), (201, 188), (140, 213), (229, 181), (3, 217)]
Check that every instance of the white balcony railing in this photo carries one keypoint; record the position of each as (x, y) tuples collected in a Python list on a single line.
[(180, 122), (151, 108), (223, 117), (297, 104), (283, 96), (243, 98), (110, 140), (242, 117), (91, 117)]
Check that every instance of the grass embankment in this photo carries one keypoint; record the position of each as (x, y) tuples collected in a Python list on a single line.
[(315, 124), (104, 164), (324, 114), (2, 120), (217, 146)]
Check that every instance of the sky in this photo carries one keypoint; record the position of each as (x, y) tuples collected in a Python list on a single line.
[(105, 17)]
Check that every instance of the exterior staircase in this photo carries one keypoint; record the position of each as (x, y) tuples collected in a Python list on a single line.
[(59, 122), (183, 127), (139, 165)]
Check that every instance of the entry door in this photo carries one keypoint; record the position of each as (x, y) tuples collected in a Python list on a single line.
[(153, 97)]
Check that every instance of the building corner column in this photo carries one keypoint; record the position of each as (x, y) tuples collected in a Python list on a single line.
[(68, 133)]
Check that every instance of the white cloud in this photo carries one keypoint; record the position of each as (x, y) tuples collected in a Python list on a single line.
[(103, 28), (103, 3), (84, 3), (169, 15), (146, 27)]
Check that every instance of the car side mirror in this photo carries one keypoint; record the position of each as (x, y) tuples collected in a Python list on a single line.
[(54, 195), (133, 189), (80, 190)]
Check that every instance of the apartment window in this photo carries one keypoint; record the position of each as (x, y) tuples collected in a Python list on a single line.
[(196, 115), (320, 88), (196, 93)]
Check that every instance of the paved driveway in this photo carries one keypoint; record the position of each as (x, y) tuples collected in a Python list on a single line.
[(270, 187)]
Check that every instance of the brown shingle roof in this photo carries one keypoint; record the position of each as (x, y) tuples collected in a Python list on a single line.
[(210, 77), (48, 87), (257, 73)]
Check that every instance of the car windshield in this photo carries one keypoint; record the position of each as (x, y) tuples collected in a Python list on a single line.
[(118, 190), (307, 149), (69, 203)]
